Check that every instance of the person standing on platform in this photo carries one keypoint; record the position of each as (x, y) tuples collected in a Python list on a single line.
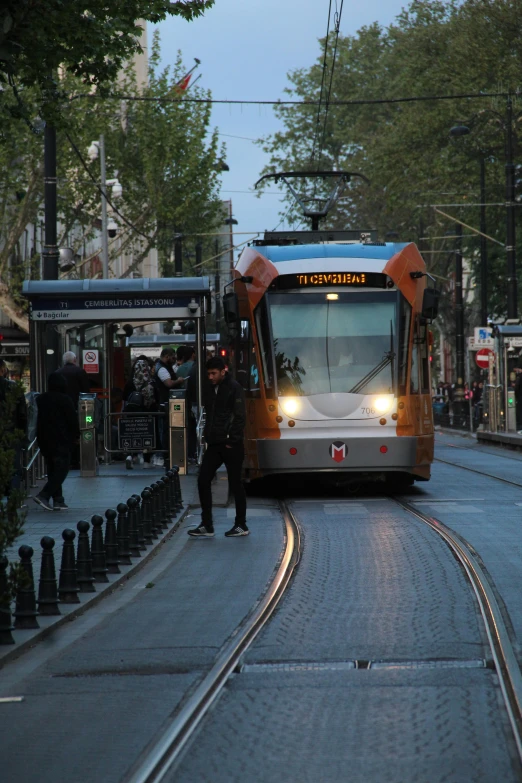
[(57, 430), (165, 379), (76, 378), (224, 431)]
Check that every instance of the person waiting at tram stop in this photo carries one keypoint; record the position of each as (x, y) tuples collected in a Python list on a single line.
[(224, 431), (76, 378), (57, 431), (185, 356), (165, 379)]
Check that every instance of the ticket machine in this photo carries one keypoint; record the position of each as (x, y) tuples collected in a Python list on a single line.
[(178, 430), (88, 459)]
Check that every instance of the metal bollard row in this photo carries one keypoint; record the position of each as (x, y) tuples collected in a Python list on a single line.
[(129, 530)]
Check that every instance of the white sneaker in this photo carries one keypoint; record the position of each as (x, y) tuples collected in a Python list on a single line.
[(128, 463), (140, 459), (160, 463)]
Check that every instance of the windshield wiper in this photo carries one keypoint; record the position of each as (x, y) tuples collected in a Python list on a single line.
[(388, 357)]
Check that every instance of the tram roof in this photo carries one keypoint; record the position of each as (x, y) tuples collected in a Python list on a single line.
[(184, 285), (384, 252)]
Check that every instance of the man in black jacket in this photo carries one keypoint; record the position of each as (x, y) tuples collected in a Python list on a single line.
[(57, 430), (76, 378), (224, 430)]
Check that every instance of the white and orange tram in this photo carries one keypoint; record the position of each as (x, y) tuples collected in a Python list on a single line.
[(331, 345)]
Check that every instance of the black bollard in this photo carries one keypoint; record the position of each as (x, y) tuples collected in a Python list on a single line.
[(25, 608), (84, 560), (146, 513), (68, 586), (177, 488), (166, 499), (111, 543), (162, 514), (156, 526), (48, 588), (6, 637), (171, 493), (124, 555), (134, 545), (139, 519), (99, 563)]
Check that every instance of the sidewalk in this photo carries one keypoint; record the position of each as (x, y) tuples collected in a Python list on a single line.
[(85, 497)]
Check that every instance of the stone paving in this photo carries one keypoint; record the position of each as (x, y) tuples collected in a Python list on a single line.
[(85, 497)]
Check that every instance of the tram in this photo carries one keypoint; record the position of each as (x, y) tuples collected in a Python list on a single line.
[(330, 342)]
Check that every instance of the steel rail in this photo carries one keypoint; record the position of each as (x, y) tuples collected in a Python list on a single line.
[(158, 761), (479, 472), (504, 658)]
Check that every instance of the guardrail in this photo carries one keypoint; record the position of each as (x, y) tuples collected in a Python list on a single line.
[(29, 464)]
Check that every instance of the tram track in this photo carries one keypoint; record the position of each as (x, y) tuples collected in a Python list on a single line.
[(503, 654), (158, 759), (479, 472)]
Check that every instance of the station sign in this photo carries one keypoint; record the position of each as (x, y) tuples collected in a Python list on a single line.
[(109, 307), (136, 433)]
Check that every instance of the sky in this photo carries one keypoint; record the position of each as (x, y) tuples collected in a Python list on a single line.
[(247, 48)]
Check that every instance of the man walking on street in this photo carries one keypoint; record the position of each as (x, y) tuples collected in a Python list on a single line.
[(224, 429), (57, 430)]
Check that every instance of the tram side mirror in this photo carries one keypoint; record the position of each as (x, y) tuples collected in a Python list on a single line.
[(430, 304), (231, 308)]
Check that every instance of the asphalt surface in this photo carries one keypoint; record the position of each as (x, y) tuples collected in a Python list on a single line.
[(373, 585)]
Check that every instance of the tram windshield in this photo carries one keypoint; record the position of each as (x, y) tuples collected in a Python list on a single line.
[(342, 342)]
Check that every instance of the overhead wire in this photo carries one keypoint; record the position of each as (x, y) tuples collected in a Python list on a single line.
[(337, 28), (312, 157)]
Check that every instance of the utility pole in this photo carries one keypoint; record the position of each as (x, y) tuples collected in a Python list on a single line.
[(511, 256), (459, 328), (217, 285), (483, 247), (50, 249), (178, 257), (105, 224)]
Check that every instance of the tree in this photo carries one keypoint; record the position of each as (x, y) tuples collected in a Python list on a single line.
[(91, 39), (404, 148), (167, 160)]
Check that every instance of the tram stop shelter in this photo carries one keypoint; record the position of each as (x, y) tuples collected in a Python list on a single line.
[(95, 318)]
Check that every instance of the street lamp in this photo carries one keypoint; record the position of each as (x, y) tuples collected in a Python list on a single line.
[(98, 148)]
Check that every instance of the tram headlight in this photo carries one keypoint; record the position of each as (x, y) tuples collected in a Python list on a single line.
[(382, 404), (289, 405)]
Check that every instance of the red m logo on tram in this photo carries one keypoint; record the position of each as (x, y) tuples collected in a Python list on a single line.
[(338, 451)]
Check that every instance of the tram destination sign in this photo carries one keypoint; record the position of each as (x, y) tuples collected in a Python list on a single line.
[(107, 307), (331, 279), (136, 433)]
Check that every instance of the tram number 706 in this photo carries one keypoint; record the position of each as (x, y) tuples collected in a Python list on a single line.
[(369, 411)]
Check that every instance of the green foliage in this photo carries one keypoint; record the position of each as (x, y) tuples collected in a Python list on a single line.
[(90, 39), (167, 159), (12, 517), (405, 150)]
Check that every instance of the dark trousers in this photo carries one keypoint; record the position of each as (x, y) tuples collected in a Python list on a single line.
[(57, 470), (213, 458)]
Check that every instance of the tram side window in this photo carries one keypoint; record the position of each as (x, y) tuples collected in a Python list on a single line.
[(424, 359), (243, 355), (404, 340), (263, 335)]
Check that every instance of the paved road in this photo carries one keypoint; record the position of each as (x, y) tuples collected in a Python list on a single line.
[(373, 584)]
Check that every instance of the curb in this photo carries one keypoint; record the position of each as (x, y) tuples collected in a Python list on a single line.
[(106, 589)]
